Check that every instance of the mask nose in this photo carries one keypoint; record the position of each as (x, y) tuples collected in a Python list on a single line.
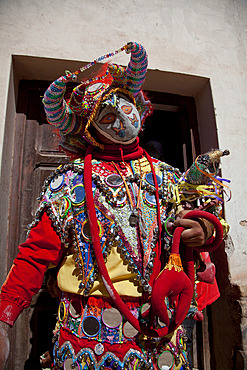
[(114, 102), (116, 109)]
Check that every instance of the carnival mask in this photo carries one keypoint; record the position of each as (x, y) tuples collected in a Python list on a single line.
[(118, 119)]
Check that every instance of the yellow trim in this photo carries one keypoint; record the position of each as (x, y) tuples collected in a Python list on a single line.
[(117, 279), (125, 282)]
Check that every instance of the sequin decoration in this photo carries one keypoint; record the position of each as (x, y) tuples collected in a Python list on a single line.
[(78, 195), (90, 326), (57, 183), (150, 180), (133, 359), (67, 209), (64, 207), (114, 180), (86, 260)]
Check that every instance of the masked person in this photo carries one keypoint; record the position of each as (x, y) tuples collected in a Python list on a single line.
[(104, 218)]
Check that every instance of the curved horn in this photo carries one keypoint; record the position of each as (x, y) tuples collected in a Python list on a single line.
[(57, 110), (137, 68)]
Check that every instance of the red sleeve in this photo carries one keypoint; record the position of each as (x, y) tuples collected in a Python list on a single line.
[(42, 247)]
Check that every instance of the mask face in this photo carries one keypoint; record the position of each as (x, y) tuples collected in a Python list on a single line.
[(118, 119)]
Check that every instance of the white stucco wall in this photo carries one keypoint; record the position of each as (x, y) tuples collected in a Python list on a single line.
[(199, 37)]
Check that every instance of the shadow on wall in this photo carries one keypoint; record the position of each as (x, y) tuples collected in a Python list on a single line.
[(225, 319)]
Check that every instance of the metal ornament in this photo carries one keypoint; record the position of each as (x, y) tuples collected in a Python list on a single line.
[(86, 233), (90, 326), (133, 219), (64, 207), (111, 317), (166, 361), (114, 180), (75, 308), (150, 198), (62, 311), (150, 180), (78, 194), (70, 364), (129, 331), (99, 349), (57, 183)]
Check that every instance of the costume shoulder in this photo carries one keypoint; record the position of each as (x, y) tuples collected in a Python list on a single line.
[(62, 190), (173, 173)]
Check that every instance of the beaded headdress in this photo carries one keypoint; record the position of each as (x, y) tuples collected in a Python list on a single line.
[(73, 117)]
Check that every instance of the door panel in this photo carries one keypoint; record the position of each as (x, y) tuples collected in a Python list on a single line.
[(36, 155)]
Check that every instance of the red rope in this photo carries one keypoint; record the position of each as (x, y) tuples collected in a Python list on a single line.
[(122, 307), (99, 256), (157, 262)]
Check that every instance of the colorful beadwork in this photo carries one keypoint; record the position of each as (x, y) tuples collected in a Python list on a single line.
[(100, 59), (66, 206), (73, 118), (96, 344)]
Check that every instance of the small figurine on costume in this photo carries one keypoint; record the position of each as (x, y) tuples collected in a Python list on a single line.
[(112, 219)]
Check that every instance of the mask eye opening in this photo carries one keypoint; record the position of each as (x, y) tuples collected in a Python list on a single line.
[(127, 109), (108, 118)]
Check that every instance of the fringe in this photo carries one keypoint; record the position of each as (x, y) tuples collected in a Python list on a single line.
[(174, 262)]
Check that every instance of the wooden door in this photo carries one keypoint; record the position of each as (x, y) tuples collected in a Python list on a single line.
[(36, 155)]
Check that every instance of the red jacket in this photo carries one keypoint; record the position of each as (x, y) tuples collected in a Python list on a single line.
[(42, 247)]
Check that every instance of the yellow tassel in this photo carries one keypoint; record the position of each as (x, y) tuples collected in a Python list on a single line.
[(174, 262)]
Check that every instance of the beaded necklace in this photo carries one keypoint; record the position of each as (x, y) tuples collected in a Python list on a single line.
[(136, 213)]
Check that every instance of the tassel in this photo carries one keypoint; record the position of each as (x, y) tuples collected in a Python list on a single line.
[(174, 262)]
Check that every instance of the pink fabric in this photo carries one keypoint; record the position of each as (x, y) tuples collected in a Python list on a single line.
[(207, 293)]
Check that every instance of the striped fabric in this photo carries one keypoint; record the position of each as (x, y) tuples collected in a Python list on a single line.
[(137, 68), (57, 111)]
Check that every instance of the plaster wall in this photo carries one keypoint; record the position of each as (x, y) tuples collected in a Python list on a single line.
[(194, 37)]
